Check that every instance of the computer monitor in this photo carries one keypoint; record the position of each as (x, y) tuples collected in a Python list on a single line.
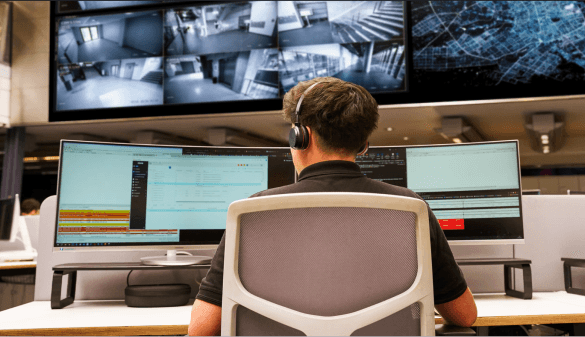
[(9, 218), (473, 189), (531, 192), (570, 192), (114, 196)]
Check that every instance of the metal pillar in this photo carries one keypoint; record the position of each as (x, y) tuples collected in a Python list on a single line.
[(368, 57), (13, 163)]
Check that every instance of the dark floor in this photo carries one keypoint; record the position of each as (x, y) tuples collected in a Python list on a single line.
[(374, 81), (107, 92), (190, 88), (231, 41), (318, 33), (105, 50)]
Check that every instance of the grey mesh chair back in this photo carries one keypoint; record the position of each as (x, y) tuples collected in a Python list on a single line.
[(335, 264)]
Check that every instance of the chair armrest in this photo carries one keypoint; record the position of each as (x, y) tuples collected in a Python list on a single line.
[(453, 330)]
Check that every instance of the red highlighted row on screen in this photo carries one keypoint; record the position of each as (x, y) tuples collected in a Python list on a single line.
[(450, 224)]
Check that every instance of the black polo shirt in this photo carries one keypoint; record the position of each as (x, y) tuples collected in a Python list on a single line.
[(345, 176)]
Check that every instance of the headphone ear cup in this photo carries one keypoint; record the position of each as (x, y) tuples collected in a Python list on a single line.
[(298, 137)]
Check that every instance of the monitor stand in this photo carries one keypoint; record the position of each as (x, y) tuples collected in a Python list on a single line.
[(172, 259)]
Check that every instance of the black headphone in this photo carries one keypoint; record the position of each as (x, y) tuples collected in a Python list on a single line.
[(298, 136)]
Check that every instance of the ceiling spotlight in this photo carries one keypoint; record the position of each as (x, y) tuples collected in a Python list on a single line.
[(545, 131), (405, 138), (389, 129), (458, 128)]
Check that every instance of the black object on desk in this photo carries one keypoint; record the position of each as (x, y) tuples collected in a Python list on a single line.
[(568, 276), (72, 268), (508, 265)]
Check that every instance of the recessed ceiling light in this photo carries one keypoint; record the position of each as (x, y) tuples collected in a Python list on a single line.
[(457, 140), (389, 129), (545, 149), (405, 138)]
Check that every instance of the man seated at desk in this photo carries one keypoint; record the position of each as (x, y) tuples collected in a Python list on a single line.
[(339, 117)]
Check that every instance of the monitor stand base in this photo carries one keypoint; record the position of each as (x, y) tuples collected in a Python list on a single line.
[(171, 259)]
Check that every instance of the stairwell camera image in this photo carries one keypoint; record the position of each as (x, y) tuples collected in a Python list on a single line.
[(326, 22), (110, 37), (376, 66), (217, 28), (110, 84), (221, 77)]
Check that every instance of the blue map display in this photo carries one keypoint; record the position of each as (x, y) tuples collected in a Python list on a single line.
[(496, 43)]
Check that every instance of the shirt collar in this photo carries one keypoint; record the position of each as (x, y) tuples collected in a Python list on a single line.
[(330, 167)]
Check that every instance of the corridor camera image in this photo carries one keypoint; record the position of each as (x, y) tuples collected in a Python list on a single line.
[(74, 6), (110, 84), (221, 77), (110, 37), (376, 66), (325, 22), (218, 28)]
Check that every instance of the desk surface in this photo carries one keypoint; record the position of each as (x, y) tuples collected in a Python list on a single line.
[(18, 265), (115, 318)]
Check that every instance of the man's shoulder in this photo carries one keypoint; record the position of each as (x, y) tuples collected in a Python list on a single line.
[(292, 188), (377, 186)]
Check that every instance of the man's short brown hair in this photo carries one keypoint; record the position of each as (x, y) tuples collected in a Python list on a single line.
[(342, 114), (29, 205)]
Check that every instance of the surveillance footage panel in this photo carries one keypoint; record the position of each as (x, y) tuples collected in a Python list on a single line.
[(235, 76), (501, 44), (110, 37), (217, 28), (326, 22), (79, 6), (377, 66), (110, 84)]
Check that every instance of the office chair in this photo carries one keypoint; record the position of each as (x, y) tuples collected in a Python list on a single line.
[(328, 264)]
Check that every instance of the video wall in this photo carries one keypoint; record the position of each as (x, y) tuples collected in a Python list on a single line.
[(127, 58), (155, 58)]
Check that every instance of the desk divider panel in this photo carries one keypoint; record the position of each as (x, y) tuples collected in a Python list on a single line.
[(554, 227), (103, 285)]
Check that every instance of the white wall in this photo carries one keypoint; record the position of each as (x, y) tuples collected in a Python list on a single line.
[(114, 31)]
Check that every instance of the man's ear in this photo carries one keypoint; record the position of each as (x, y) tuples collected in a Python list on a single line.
[(311, 135)]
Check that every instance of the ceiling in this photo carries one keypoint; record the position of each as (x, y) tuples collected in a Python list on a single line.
[(411, 124)]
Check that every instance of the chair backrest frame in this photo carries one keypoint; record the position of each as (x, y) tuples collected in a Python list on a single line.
[(235, 294)]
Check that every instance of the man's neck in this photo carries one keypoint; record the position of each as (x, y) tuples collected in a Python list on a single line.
[(315, 157)]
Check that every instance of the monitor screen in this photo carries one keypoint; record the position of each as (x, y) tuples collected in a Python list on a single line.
[(114, 60), (7, 227), (127, 195), (473, 189)]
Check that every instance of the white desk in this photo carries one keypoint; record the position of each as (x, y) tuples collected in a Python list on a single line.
[(110, 318), (115, 318)]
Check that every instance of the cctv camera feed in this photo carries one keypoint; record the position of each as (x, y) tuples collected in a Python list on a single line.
[(110, 84), (224, 51), (356, 41), (498, 43), (74, 6), (110, 37), (218, 28), (221, 77)]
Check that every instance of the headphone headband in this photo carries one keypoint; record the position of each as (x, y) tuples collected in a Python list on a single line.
[(301, 101)]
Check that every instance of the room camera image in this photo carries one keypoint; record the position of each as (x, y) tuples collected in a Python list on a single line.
[(217, 28), (325, 22), (110, 37), (222, 77), (110, 84), (377, 66), (74, 6)]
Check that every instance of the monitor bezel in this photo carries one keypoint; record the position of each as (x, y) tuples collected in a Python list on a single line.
[(483, 241), (130, 247)]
